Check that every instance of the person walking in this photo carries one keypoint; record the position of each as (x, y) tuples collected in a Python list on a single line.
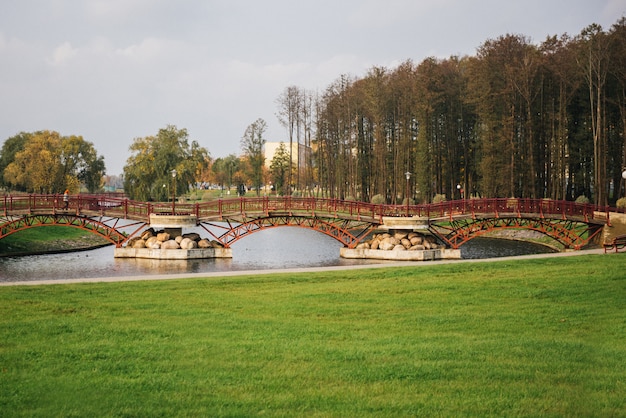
[(66, 199)]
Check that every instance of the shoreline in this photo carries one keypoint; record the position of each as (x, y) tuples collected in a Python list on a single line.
[(296, 270), (58, 251)]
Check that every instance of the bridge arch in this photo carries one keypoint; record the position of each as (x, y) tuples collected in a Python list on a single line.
[(570, 233), (94, 226), (347, 232)]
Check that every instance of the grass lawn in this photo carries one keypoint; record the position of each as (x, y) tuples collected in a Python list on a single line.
[(544, 337), (49, 239)]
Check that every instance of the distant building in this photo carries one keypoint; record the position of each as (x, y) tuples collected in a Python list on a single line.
[(300, 153)]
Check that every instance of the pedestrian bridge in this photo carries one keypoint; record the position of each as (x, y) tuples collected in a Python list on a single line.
[(453, 223)]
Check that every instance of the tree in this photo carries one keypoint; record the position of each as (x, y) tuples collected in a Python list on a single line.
[(516, 120), (225, 169), (252, 144), (50, 163), (10, 148), (290, 104), (280, 168), (618, 73), (593, 61), (148, 171), (79, 158), (559, 87)]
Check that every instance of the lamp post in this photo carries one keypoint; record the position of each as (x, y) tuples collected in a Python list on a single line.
[(174, 192), (408, 176)]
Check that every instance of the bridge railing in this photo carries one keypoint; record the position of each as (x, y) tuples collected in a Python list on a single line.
[(509, 206), (122, 207), (290, 205), (31, 202)]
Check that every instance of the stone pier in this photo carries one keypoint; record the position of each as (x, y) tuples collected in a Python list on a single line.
[(173, 225), (403, 239), (407, 255), (170, 254)]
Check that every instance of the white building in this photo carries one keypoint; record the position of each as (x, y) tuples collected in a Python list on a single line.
[(299, 153)]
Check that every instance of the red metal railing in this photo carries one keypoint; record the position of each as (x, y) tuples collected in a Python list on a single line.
[(117, 206)]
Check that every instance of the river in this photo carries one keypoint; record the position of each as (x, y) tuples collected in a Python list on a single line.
[(275, 248)]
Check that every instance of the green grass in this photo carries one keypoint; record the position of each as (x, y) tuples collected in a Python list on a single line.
[(49, 239), (544, 337)]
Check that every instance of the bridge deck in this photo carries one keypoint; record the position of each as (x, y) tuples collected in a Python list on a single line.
[(331, 216)]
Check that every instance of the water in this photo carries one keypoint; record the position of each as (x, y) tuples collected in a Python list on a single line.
[(494, 247), (269, 249)]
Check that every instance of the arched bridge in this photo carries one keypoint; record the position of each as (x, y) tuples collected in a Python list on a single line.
[(227, 220)]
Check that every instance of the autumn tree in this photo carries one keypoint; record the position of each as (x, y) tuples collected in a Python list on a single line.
[(46, 162), (515, 120), (252, 144)]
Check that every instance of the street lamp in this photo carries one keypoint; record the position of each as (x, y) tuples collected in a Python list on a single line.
[(458, 188), (174, 192), (408, 176)]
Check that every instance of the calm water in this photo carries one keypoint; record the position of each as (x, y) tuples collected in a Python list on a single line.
[(269, 249)]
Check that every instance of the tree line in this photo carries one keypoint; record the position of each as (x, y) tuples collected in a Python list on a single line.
[(516, 120)]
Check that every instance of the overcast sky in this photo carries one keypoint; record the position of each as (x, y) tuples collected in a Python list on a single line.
[(115, 70)]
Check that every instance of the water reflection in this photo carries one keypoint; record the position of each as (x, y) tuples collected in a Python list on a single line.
[(494, 247), (269, 249)]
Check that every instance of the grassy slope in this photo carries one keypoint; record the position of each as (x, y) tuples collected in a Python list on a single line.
[(49, 239), (534, 338)]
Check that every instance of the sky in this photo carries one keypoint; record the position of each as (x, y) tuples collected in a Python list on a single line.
[(115, 70)]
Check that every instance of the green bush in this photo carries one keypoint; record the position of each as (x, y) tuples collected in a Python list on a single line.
[(378, 199), (439, 198), (582, 199), (621, 203)]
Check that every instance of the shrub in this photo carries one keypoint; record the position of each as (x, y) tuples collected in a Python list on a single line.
[(378, 199), (582, 199), (621, 203), (439, 198)]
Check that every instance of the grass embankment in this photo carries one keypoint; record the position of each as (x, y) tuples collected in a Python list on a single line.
[(542, 337), (49, 239)]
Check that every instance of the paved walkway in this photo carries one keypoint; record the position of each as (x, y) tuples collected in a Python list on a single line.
[(296, 270)]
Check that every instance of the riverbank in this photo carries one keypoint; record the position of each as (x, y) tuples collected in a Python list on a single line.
[(49, 240), (256, 273)]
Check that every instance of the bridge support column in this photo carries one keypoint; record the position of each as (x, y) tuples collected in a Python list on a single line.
[(159, 254), (413, 255)]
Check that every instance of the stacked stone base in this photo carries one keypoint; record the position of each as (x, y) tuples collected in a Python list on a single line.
[(171, 244), (401, 245), (169, 254), (415, 255)]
